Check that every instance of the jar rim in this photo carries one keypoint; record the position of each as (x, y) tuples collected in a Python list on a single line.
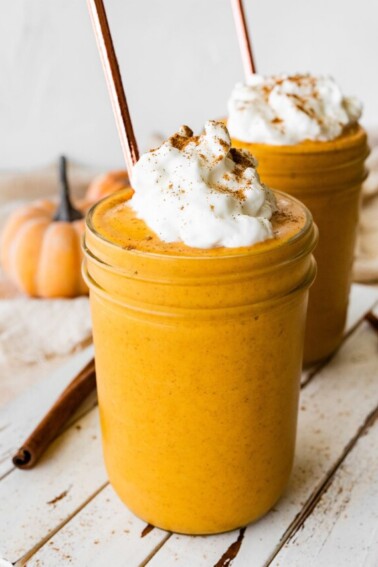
[(352, 136), (246, 251)]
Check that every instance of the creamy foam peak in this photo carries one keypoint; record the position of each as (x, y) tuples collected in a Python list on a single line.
[(284, 109), (200, 191)]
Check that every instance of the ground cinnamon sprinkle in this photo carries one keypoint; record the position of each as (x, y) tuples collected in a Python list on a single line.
[(300, 103), (266, 90), (239, 194), (307, 111), (223, 143), (240, 159), (184, 137), (238, 174), (279, 80), (180, 142), (296, 78), (282, 217)]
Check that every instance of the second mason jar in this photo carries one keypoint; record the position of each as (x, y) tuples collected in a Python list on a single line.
[(327, 178)]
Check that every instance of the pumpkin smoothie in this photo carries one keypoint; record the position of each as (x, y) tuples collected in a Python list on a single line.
[(198, 329), (306, 139)]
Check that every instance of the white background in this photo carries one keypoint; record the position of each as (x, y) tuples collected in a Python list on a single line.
[(179, 60)]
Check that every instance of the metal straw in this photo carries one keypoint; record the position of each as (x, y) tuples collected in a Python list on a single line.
[(114, 82), (243, 37)]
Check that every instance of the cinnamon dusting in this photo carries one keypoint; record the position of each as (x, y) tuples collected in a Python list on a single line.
[(300, 103), (241, 158), (180, 142), (222, 143), (184, 137)]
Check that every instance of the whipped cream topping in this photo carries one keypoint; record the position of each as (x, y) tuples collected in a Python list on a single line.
[(200, 191), (284, 109)]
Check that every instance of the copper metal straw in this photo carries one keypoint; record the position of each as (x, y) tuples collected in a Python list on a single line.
[(243, 37), (114, 82)]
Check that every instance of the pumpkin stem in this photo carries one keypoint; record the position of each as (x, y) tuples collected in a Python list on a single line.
[(65, 212)]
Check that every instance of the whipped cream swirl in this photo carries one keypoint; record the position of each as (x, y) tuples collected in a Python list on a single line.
[(284, 110), (200, 191)]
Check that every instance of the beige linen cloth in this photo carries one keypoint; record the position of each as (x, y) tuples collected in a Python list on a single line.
[(36, 335)]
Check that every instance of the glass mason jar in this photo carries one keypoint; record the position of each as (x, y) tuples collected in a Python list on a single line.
[(198, 360), (327, 178)]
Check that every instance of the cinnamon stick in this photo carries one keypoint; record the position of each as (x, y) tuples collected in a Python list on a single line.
[(55, 419)]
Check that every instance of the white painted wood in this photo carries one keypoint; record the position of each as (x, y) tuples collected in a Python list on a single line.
[(18, 418), (199, 551), (109, 535), (35, 502), (17, 378), (362, 299), (343, 528), (333, 406)]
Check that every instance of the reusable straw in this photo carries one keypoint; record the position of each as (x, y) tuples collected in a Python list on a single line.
[(114, 82), (243, 37)]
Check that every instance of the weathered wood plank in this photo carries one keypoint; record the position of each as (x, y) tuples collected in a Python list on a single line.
[(343, 527), (16, 378), (334, 405), (34, 503), (362, 299), (18, 418), (122, 538)]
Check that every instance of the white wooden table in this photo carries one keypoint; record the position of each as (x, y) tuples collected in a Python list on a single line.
[(64, 512)]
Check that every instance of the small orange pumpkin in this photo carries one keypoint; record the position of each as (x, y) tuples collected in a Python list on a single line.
[(41, 246), (105, 184)]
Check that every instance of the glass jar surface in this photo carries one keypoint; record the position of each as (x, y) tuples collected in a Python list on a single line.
[(327, 178), (198, 360)]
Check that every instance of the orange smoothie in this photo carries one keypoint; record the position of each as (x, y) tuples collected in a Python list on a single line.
[(198, 359), (326, 176)]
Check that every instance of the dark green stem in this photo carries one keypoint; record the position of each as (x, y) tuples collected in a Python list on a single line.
[(65, 212)]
